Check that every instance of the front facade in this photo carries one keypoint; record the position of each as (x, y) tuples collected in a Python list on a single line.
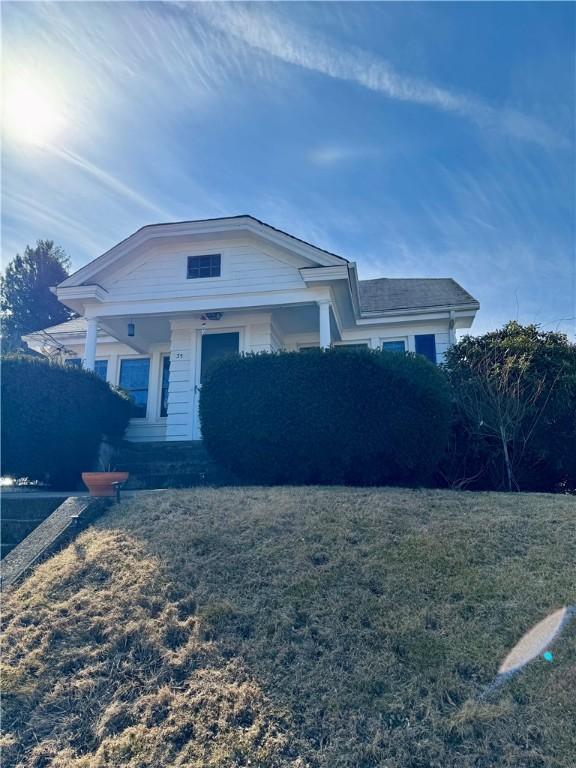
[(156, 308)]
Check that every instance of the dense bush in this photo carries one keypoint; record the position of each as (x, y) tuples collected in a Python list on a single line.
[(335, 416), (515, 411), (54, 418)]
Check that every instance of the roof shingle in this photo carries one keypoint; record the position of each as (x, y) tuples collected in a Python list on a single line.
[(385, 294)]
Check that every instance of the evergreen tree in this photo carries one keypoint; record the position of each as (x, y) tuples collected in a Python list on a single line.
[(26, 302)]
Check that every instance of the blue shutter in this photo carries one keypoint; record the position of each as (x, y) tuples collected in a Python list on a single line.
[(426, 346)]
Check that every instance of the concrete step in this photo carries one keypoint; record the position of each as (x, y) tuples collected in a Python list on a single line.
[(169, 465)]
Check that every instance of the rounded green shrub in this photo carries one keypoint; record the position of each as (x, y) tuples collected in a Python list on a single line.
[(358, 417), (54, 418)]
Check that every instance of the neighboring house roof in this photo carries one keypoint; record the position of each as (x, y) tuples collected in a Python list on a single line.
[(76, 325), (387, 294)]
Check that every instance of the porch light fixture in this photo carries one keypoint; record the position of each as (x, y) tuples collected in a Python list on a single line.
[(130, 329)]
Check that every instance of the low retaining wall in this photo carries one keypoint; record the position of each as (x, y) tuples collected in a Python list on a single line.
[(21, 513), (57, 529)]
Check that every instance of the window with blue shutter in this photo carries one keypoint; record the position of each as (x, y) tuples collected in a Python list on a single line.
[(425, 345)]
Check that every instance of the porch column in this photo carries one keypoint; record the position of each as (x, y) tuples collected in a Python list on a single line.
[(452, 328), (90, 345), (325, 339)]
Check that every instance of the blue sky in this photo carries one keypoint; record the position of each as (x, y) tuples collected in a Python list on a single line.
[(418, 139)]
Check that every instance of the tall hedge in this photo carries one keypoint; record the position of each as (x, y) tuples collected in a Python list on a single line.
[(54, 418), (334, 416)]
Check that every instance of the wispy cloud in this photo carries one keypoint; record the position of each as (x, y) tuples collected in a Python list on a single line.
[(111, 181), (292, 44), (330, 155), (26, 208)]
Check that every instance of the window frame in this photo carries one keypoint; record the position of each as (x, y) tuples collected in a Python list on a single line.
[(385, 339), (78, 362), (136, 357), (163, 356), (204, 256), (363, 343)]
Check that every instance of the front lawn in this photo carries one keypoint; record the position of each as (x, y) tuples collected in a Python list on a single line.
[(276, 627)]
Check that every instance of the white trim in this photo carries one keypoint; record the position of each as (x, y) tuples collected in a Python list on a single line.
[(441, 312), (127, 306), (324, 323), (90, 343), (163, 356), (322, 274), (352, 343)]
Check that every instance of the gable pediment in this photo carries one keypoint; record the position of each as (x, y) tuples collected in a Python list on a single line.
[(161, 242)]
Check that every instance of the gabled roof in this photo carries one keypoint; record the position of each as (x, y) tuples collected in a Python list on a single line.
[(203, 226), (76, 325), (387, 294)]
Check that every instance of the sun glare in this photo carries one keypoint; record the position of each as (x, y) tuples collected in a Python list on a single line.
[(33, 113)]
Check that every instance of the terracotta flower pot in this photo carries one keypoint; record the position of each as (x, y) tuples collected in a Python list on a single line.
[(100, 483)]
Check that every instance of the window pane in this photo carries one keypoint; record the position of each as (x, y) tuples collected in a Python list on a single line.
[(394, 346), (216, 346), (101, 368), (165, 383), (134, 380), (203, 266), (73, 362), (351, 347)]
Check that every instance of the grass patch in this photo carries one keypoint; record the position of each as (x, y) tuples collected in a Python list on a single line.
[(329, 628)]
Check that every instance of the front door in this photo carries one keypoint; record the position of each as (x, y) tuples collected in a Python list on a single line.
[(213, 347)]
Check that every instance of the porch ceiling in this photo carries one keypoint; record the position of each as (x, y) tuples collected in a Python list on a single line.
[(148, 330)]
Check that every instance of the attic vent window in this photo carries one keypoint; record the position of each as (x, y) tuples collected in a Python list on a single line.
[(203, 266)]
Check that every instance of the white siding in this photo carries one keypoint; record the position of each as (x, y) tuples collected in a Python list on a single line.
[(181, 395), (442, 344), (244, 269)]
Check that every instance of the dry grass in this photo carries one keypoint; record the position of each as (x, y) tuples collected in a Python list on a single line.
[(332, 628)]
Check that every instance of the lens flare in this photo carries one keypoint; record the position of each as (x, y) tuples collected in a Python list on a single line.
[(32, 111), (534, 642)]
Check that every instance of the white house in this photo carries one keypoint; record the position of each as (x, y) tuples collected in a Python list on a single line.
[(155, 308)]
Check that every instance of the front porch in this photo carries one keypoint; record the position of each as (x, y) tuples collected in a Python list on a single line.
[(161, 359)]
